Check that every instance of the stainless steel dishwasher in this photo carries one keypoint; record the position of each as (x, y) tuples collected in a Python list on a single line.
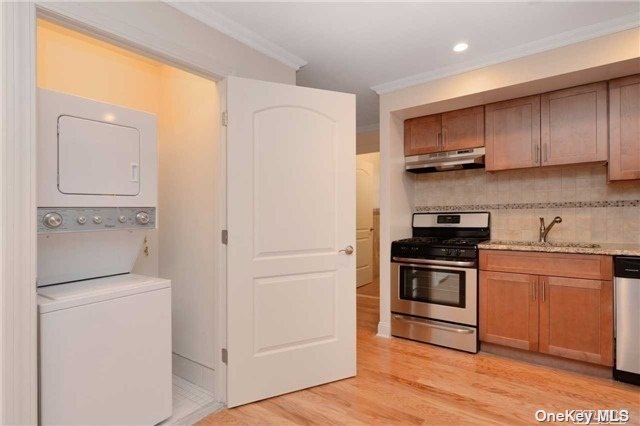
[(627, 313)]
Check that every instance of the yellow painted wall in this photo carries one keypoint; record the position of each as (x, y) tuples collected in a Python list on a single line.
[(187, 107), (73, 63)]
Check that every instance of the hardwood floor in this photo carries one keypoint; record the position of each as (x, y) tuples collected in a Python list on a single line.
[(372, 289), (405, 382)]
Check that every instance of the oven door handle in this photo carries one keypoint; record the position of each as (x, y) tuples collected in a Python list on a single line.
[(434, 262), (431, 324)]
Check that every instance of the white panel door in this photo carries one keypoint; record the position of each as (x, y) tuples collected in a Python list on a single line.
[(97, 158), (291, 209), (364, 223)]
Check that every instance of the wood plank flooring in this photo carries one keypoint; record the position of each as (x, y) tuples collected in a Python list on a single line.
[(405, 382)]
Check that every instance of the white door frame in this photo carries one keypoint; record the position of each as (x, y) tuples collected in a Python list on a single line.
[(18, 306)]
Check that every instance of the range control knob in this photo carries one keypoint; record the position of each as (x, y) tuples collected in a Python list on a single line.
[(82, 220), (122, 219), (142, 218), (52, 220), (97, 220)]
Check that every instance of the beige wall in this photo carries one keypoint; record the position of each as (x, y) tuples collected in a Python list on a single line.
[(187, 107), (187, 156), (159, 26), (592, 60), (367, 142)]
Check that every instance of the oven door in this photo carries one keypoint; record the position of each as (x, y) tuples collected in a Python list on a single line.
[(441, 292)]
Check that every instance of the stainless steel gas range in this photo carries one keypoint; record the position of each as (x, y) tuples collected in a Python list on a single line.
[(434, 279)]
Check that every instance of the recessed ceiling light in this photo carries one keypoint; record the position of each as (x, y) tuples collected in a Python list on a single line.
[(460, 47)]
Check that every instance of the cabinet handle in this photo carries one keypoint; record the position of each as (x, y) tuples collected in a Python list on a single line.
[(544, 285), (544, 151), (439, 141), (444, 137), (533, 290), (536, 153)]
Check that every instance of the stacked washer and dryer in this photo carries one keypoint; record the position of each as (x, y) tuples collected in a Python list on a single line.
[(104, 332)]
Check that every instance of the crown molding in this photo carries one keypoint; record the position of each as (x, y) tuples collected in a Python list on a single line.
[(368, 128), (548, 43), (205, 14)]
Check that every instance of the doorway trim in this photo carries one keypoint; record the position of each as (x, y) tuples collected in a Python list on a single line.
[(18, 318)]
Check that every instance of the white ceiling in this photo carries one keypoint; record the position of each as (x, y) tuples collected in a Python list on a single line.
[(354, 47)]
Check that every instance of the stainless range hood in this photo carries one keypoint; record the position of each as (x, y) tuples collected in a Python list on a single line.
[(445, 161)]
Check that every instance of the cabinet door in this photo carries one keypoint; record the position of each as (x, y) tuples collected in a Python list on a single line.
[(423, 135), (574, 125), (513, 134), (576, 319), (463, 129), (624, 128), (509, 309)]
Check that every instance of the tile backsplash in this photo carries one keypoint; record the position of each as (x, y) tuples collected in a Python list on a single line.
[(591, 209)]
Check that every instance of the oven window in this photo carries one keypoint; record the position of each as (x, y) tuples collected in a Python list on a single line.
[(436, 286)]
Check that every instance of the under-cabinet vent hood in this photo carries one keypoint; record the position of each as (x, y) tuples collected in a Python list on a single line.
[(445, 161)]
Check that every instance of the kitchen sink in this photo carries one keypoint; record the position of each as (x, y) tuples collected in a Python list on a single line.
[(546, 244)]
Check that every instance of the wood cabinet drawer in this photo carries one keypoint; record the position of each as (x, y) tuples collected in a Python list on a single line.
[(587, 266)]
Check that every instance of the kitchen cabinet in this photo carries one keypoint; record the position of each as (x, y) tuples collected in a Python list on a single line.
[(463, 129), (553, 303), (422, 135), (513, 297), (513, 134), (573, 125), (450, 131), (624, 128), (576, 319)]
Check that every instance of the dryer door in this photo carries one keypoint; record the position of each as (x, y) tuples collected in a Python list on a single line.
[(97, 158)]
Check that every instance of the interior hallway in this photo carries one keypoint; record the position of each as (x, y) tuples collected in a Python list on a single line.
[(405, 382)]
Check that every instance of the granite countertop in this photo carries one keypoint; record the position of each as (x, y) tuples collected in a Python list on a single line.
[(611, 249)]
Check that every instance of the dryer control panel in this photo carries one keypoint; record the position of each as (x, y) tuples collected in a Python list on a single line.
[(81, 219)]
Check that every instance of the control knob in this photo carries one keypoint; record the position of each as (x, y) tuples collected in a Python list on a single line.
[(52, 220), (142, 218), (97, 220), (122, 219), (82, 220)]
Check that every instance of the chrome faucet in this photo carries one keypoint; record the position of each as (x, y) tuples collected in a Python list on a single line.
[(544, 231)]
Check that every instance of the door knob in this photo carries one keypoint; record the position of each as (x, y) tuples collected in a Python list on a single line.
[(347, 250)]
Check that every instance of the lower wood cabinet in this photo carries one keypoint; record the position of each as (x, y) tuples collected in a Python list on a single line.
[(576, 319), (555, 315), (509, 309)]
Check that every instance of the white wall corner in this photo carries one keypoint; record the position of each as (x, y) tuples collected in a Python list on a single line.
[(207, 15), (548, 43)]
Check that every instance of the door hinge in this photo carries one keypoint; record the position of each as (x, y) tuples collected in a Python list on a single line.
[(225, 355), (225, 118), (225, 236)]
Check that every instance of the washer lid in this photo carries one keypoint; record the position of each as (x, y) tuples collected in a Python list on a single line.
[(78, 293)]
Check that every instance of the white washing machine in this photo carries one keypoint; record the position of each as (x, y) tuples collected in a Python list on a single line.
[(104, 333)]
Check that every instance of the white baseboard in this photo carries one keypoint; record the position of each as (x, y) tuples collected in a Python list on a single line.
[(198, 374), (384, 329)]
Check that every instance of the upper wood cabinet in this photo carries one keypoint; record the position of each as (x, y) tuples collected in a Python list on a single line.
[(513, 134), (576, 319), (624, 128), (573, 124), (461, 129), (509, 309), (422, 135)]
